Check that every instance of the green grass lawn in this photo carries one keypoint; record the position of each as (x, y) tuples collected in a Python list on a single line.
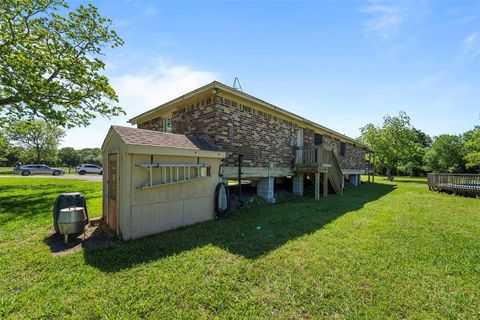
[(6, 170), (383, 250)]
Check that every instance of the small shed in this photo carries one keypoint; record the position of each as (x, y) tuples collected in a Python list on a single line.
[(155, 181)]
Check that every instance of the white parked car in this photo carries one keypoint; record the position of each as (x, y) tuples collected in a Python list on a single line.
[(89, 168), (37, 169)]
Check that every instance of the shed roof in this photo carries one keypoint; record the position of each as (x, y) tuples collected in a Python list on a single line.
[(142, 137)]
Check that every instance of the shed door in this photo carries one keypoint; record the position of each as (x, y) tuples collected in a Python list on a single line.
[(112, 191)]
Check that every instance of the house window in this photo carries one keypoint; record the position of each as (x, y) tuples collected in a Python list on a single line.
[(342, 148), (167, 124), (318, 139)]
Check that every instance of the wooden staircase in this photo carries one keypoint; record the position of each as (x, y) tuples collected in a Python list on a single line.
[(323, 162), (335, 175)]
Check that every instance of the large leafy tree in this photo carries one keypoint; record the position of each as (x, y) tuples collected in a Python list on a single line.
[(37, 136), (414, 165), (50, 66), (472, 149), (91, 155), (70, 157), (445, 154), (395, 143), (4, 147), (16, 155)]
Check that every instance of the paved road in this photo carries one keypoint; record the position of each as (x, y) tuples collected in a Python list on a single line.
[(87, 177)]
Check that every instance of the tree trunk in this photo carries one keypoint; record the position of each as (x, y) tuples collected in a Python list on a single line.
[(389, 174), (38, 154)]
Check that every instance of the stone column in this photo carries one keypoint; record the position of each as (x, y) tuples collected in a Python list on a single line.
[(265, 189), (298, 184), (355, 179)]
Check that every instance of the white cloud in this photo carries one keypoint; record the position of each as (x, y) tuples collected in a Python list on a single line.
[(385, 22), (388, 17), (139, 92), (471, 45)]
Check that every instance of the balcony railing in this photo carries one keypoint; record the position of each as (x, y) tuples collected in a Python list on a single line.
[(314, 156)]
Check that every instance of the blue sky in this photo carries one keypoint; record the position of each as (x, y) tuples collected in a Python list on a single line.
[(342, 64)]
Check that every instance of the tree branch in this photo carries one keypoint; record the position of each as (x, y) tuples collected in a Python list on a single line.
[(8, 101)]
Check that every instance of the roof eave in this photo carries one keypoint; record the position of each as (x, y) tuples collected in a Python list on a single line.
[(219, 85)]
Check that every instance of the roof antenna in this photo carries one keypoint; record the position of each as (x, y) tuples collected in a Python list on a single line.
[(237, 85)]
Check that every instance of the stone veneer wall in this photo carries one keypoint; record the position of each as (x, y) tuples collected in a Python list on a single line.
[(354, 157), (261, 137), (198, 119), (154, 124)]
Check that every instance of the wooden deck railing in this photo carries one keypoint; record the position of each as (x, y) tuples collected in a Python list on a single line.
[(320, 159), (314, 156), (466, 184), (306, 156)]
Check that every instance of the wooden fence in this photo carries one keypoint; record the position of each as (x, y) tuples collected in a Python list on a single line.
[(466, 184)]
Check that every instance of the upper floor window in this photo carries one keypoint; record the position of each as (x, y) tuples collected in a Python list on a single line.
[(318, 139), (167, 124), (342, 148)]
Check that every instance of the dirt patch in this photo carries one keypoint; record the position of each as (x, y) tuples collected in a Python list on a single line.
[(93, 237)]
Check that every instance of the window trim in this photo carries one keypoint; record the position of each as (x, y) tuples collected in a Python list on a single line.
[(167, 129), (320, 137), (343, 148)]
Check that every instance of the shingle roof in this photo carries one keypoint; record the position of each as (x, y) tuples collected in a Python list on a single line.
[(222, 87), (142, 137)]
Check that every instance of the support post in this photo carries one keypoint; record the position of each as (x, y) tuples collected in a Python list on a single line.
[(297, 188), (240, 157), (356, 179), (325, 184), (317, 185), (265, 189)]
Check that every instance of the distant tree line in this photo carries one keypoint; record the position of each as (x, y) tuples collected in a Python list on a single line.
[(36, 141), (401, 149)]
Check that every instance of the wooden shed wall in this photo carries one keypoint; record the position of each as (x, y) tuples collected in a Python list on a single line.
[(167, 207), (141, 212)]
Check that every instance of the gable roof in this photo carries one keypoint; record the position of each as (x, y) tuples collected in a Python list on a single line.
[(142, 137), (216, 87)]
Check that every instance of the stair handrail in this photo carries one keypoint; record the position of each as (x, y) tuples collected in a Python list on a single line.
[(335, 172)]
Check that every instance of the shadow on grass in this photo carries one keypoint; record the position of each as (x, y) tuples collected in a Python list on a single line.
[(402, 179), (250, 234)]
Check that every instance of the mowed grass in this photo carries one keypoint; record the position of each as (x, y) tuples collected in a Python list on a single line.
[(383, 250), (6, 170)]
